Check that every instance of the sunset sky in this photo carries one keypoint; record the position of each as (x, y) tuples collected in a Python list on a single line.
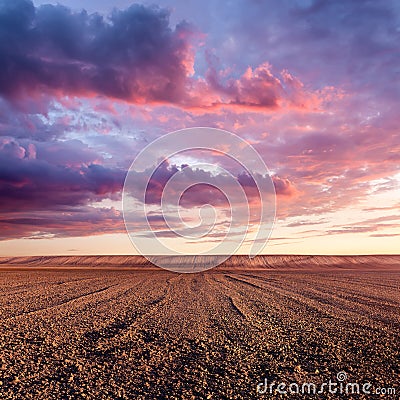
[(312, 85)]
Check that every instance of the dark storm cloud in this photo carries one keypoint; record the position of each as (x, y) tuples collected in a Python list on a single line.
[(31, 184), (133, 54)]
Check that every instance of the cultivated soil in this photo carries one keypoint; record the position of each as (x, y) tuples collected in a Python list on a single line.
[(117, 328)]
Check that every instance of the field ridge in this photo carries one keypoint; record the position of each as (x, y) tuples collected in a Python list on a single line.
[(236, 262)]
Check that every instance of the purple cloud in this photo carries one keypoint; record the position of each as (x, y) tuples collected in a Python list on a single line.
[(28, 183), (132, 55)]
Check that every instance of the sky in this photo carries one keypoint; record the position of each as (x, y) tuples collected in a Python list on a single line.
[(313, 85)]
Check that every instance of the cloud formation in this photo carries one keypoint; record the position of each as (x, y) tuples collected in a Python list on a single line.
[(71, 221), (200, 194), (133, 55), (313, 85), (28, 183)]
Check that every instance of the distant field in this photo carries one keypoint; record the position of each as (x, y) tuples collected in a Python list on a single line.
[(268, 262), (88, 327)]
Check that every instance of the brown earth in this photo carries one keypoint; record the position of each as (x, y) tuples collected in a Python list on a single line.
[(75, 330)]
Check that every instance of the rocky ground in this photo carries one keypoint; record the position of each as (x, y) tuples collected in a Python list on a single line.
[(119, 334)]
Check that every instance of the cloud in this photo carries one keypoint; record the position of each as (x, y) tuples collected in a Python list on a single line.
[(47, 190), (300, 223), (193, 188), (378, 235), (211, 192), (30, 183), (72, 221), (132, 55), (257, 88), (313, 87), (343, 43), (284, 187)]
